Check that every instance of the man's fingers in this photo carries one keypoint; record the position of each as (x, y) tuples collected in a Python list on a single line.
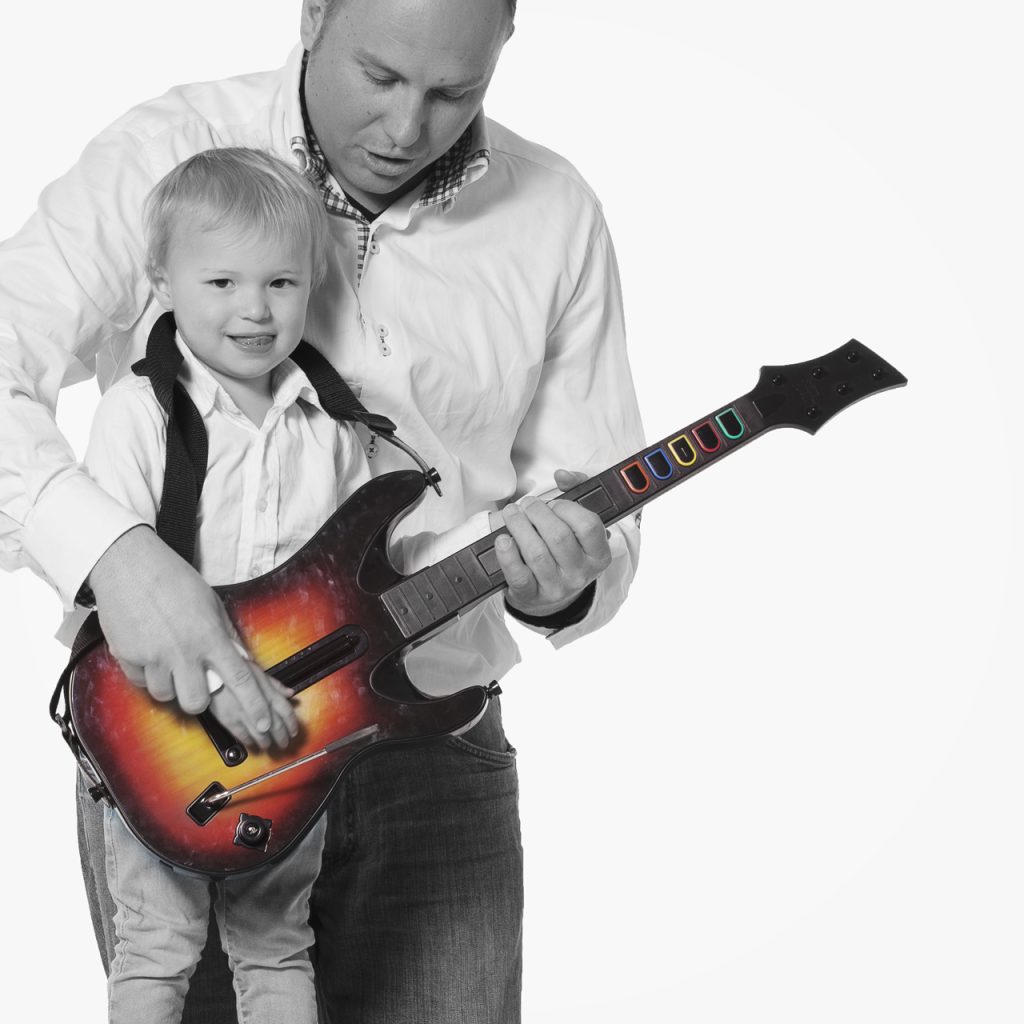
[(551, 548), (587, 529), (190, 688), (552, 551), (132, 672), (255, 708), (519, 578), (521, 521), (228, 712), (285, 725), (158, 681), (567, 478)]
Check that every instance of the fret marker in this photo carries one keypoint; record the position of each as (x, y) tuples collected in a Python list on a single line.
[(682, 451), (707, 437), (730, 423), (636, 479), (658, 464)]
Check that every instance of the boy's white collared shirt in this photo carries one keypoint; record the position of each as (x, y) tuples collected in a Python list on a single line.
[(268, 488)]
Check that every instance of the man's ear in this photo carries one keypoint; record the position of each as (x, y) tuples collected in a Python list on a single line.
[(314, 14), (161, 289)]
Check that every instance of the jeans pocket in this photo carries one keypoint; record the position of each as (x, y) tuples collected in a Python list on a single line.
[(486, 741)]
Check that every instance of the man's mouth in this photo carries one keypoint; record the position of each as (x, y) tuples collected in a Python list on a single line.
[(388, 166)]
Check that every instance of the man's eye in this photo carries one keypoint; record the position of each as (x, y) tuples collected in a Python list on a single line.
[(379, 82), (450, 97)]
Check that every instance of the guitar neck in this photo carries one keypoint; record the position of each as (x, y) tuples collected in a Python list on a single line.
[(425, 600), (801, 395)]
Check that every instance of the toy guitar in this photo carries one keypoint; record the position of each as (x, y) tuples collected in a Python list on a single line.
[(334, 622)]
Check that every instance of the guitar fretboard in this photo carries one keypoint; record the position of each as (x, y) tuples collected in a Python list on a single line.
[(427, 599)]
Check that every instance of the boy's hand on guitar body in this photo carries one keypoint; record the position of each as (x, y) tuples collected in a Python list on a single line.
[(552, 551), (166, 627)]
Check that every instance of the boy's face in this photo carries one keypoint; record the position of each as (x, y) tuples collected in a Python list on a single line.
[(239, 298)]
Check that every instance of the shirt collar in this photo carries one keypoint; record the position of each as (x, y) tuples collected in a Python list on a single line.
[(288, 384), (466, 161)]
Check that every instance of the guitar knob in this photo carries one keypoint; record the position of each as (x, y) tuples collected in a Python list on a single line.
[(253, 832)]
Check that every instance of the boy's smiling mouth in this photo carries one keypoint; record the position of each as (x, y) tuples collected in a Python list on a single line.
[(253, 342)]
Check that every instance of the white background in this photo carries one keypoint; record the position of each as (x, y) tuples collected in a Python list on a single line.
[(785, 783)]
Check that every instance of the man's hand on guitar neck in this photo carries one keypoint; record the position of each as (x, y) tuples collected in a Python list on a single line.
[(552, 551), (166, 628)]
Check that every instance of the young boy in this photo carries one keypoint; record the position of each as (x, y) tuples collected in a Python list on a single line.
[(236, 241)]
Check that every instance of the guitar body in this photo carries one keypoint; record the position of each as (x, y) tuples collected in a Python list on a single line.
[(155, 761)]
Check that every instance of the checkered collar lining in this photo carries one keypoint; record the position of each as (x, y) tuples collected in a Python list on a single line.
[(447, 178)]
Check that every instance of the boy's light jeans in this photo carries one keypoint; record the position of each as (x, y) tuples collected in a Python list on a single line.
[(160, 927)]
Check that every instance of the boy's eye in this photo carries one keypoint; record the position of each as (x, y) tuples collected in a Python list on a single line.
[(220, 282), (282, 282)]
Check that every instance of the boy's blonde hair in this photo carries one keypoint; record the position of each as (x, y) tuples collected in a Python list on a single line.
[(236, 187)]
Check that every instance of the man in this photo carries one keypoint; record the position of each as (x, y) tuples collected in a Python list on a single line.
[(473, 298)]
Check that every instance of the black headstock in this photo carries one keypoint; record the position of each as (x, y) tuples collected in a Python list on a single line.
[(807, 395)]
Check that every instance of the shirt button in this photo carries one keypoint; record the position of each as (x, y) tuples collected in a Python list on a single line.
[(254, 571), (261, 505), (374, 247), (382, 332)]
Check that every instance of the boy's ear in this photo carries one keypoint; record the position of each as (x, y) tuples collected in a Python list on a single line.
[(161, 289)]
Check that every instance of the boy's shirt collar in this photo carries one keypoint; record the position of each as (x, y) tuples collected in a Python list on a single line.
[(288, 384)]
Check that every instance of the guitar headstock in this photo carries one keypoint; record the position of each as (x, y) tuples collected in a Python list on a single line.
[(807, 395)]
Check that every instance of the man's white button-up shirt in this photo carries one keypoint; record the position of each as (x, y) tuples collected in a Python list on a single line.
[(487, 326)]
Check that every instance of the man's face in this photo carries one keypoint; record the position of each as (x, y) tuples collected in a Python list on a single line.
[(392, 84)]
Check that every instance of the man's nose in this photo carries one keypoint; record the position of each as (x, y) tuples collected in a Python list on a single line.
[(403, 119)]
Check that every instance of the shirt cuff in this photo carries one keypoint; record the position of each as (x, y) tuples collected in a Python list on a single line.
[(70, 527), (571, 614)]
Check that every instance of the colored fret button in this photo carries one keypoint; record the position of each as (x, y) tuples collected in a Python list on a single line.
[(682, 451), (635, 477), (731, 424), (707, 437), (658, 464)]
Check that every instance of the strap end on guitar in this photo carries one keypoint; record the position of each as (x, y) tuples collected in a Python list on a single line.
[(432, 475)]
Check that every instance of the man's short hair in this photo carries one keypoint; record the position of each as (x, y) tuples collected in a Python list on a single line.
[(511, 7), (238, 188)]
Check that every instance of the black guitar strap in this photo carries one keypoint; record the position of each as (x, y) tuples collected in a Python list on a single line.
[(187, 449)]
